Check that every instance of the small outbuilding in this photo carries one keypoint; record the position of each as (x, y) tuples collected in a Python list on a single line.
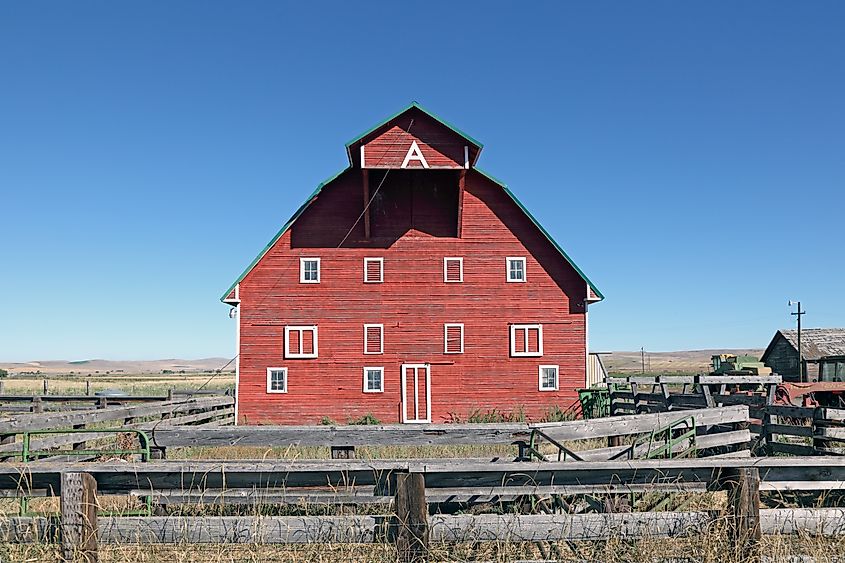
[(823, 352)]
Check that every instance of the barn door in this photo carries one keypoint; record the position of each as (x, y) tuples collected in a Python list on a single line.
[(416, 393)]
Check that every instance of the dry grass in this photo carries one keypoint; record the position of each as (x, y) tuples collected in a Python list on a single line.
[(134, 384), (710, 547)]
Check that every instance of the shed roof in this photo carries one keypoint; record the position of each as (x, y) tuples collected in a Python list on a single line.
[(816, 343), (414, 106)]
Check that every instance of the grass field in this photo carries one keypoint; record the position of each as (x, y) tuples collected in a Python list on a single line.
[(133, 384)]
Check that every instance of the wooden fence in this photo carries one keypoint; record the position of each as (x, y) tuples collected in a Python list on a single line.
[(411, 485), (641, 394), (215, 411), (776, 429)]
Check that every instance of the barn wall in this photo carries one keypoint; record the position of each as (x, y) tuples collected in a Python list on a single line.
[(413, 303), (783, 359)]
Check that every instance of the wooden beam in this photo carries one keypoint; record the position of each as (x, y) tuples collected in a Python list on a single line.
[(461, 189), (79, 517), (21, 423), (637, 424), (365, 180), (387, 435), (444, 528)]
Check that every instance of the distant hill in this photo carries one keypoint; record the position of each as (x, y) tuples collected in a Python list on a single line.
[(685, 361), (57, 367)]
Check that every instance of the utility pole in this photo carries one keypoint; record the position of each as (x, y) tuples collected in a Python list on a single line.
[(642, 357), (798, 312)]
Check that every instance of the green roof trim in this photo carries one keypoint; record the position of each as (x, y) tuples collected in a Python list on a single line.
[(282, 231), (542, 230), (425, 111), (322, 184)]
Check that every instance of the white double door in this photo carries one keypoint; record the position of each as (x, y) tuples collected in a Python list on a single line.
[(416, 393)]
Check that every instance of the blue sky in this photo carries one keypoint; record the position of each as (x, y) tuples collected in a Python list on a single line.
[(689, 156)]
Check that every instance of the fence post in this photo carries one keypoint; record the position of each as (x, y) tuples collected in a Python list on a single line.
[(46, 387), (79, 517), (412, 516), (743, 486), (87, 386)]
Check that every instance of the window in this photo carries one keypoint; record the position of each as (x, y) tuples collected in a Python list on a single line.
[(453, 338), (300, 342), (374, 380), (309, 270), (453, 270), (548, 378), (277, 380), (373, 270), (516, 269), (526, 340), (373, 339)]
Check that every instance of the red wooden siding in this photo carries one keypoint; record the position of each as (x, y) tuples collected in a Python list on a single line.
[(441, 149), (413, 228)]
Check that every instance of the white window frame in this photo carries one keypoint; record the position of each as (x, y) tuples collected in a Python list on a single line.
[(445, 269), (524, 269), (381, 269), (302, 261), (270, 380), (446, 337), (300, 329), (526, 354), (374, 368), (540, 378), (381, 341)]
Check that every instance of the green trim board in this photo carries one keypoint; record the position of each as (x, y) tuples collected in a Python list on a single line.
[(403, 110), (320, 187), (542, 230), (282, 231)]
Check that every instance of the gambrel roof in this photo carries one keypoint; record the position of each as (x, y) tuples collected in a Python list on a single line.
[(474, 152)]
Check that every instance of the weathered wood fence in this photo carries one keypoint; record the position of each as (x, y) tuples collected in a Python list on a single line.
[(215, 410), (411, 485), (776, 429)]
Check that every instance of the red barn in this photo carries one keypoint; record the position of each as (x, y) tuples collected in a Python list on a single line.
[(411, 286)]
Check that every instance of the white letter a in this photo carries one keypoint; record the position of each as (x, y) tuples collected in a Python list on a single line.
[(414, 153)]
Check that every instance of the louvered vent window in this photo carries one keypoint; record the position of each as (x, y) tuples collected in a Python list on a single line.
[(526, 340), (373, 339), (300, 342), (453, 270), (454, 338), (373, 270)]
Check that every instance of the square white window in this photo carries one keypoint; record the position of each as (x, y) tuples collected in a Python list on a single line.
[(453, 338), (526, 340), (516, 269), (453, 270), (374, 339), (300, 342), (309, 270), (277, 380), (548, 378), (374, 380), (373, 270)]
